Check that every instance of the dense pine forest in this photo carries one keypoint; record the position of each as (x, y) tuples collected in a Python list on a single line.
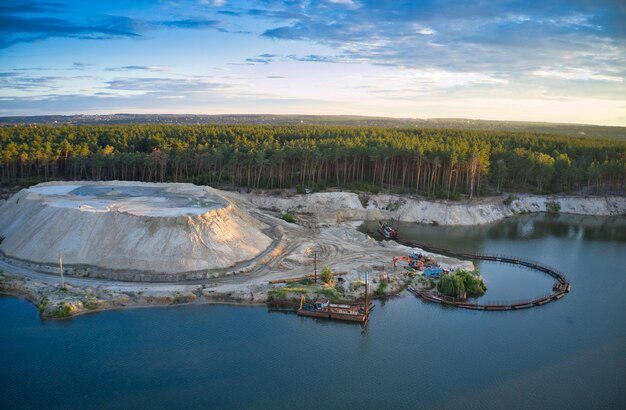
[(432, 162)]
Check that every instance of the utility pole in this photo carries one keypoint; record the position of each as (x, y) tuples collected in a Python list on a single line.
[(315, 264), (61, 267)]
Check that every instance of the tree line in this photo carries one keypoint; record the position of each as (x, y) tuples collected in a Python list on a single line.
[(433, 162)]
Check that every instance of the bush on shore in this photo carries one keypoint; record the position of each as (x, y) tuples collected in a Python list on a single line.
[(455, 283), (327, 274)]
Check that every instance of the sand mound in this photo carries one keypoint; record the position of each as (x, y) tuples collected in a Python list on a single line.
[(130, 226)]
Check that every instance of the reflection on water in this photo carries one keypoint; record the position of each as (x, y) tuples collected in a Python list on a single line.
[(524, 227), (612, 229)]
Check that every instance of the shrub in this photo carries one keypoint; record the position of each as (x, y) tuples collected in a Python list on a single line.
[(364, 186), (380, 290), (63, 310), (42, 304), (444, 194), (289, 217), (365, 200), (354, 286), (451, 285), (331, 293), (277, 294), (327, 274), (295, 289), (509, 200), (553, 207), (178, 298), (395, 205), (455, 283), (1, 239), (474, 285)]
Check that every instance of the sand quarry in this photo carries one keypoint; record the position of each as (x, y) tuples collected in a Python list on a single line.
[(129, 244), (133, 244)]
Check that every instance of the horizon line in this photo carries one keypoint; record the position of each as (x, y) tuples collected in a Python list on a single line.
[(314, 115)]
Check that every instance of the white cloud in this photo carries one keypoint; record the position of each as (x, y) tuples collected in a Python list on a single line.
[(575, 20), (577, 74), (347, 3), (154, 68), (427, 31), (409, 83), (513, 18)]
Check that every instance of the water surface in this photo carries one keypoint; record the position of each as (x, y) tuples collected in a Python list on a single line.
[(568, 354)]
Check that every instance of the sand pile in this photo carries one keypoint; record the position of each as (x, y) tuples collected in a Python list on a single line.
[(130, 226)]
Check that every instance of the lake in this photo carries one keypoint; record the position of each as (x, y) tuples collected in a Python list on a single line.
[(567, 354)]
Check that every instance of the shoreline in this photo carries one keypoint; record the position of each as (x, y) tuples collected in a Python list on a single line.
[(327, 220), (143, 306), (55, 303)]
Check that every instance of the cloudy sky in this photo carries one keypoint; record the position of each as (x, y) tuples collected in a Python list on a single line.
[(559, 61)]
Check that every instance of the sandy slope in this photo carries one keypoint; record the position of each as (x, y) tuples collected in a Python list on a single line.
[(132, 234), (335, 207)]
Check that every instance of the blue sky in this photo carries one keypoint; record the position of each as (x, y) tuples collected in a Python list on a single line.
[(559, 61)]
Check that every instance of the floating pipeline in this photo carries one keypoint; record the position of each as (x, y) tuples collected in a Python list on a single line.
[(560, 288)]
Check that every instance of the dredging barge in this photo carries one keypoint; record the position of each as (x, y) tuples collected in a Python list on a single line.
[(351, 312), (354, 312), (388, 231)]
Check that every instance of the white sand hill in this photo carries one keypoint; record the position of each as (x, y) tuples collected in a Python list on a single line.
[(116, 225)]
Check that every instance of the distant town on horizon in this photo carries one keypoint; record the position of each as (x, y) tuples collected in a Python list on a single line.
[(570, 129)]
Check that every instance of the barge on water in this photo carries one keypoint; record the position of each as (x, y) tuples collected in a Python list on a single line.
[(387, 231), (352, 312), (355, 312)]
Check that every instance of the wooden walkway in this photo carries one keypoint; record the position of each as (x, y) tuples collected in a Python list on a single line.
[(560, 288)]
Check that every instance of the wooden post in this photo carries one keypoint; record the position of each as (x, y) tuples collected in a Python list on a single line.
[(61, 267), (315, 264), (367, 299)]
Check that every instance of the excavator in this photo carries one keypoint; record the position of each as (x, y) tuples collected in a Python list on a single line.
[(414, 263)]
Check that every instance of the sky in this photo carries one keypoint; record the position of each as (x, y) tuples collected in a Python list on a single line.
[(552, 60)]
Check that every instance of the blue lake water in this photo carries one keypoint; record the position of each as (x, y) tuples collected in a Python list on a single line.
[(568, 354)]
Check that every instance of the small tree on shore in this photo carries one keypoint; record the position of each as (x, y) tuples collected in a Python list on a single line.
[(327, 274), (451, 285)]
